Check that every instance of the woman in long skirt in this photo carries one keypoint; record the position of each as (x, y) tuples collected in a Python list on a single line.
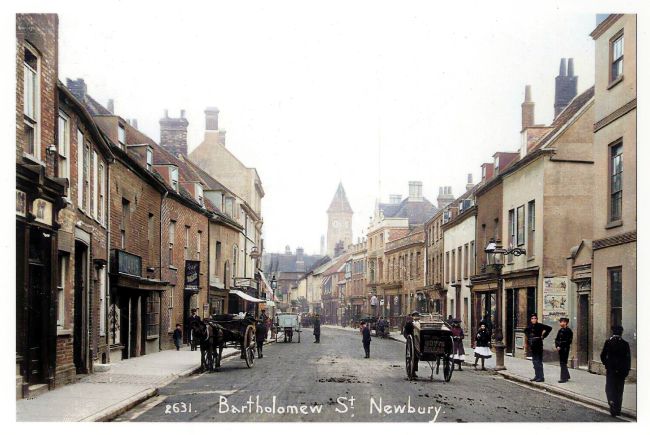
[(459, 350), (482, 349)]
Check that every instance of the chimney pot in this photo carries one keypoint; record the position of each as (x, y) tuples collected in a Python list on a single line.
[(563, 67), (570, 68), (182, 113), (166, 113)]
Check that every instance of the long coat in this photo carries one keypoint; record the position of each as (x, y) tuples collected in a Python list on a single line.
[(616, 356), (316, 327), (366, 335)]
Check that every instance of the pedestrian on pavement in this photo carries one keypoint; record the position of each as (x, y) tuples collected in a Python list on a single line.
[(178, 336), (482, 348), (617, 360), (535, 334), (563, 341), (260, 336), (459, 350), (191, 321), (317, 328), (365, 332)]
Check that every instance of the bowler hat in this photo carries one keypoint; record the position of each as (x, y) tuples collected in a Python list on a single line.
[(564, 319)]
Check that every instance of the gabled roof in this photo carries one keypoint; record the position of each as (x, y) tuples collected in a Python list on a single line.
[(340, 202)]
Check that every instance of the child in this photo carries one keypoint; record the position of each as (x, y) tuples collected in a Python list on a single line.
[(482, 349), (178, 336), (563, 345), (459, 350)]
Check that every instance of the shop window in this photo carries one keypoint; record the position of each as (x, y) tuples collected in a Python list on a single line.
[(153, 315)]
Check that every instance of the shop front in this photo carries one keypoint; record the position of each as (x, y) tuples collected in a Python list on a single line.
[(134, 308), (520, 302), (38, 200)]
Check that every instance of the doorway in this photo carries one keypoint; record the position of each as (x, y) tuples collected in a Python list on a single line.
[(583, 329), (511, 321), (80, 335)]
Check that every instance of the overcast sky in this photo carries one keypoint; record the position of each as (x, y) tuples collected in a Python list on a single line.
[(370, 94)]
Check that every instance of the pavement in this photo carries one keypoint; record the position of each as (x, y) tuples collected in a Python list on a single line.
[(331, 381), (584, 387), (103, 396)]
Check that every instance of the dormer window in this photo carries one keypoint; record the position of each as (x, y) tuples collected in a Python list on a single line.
[(173, 177), (496, 165), (121, 135), (149, 159)]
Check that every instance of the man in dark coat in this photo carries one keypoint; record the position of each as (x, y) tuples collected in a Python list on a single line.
[(317, 328), (408, 327), (563, 341), (191, 321), (617, 360), (260, 336), (365, 332), (535, 334)]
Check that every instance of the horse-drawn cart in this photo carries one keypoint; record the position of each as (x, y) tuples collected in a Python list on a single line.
[(432, 342), (237, 334), (287, 323)]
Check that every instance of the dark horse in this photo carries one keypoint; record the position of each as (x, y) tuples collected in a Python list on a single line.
[(210, 340)]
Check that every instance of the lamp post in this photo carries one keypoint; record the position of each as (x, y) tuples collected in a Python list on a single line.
[(495, 253)]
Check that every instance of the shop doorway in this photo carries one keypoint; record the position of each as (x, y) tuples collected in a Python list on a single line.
[(80, 331)]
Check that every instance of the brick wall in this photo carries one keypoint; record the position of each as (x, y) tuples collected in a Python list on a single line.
[(174, 209)]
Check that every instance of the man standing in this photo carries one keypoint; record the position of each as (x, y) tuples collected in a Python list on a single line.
[(317, 328), (191, 321), (260, 336), (535, 334), (563, 341), (365, 332), (617, 360)]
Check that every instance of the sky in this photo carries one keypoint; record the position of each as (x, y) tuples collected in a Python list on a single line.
[(313, 93)]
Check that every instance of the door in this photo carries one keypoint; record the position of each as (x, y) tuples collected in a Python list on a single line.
[(583, 329), (80, 300), (510, 321), (36, 318)]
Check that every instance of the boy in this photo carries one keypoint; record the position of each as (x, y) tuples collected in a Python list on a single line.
[(563, 341), (535, 334), (178, 336), (617, 359)]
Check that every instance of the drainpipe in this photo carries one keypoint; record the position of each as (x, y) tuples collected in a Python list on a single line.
[(160, 266)]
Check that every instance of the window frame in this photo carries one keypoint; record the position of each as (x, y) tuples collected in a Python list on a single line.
[(80, 169), (173, 177), (153, 313), (101, 210), (511, 233), (63, 262), (63, 147), (149, 159), (32, 120), (521, 225), (610, 176), (121, 135), (95, 185), (172, 239), (530, 252), (619, 36), (610, 297), (102, 301)]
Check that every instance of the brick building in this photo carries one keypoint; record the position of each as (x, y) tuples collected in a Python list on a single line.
[(40, 195), (404, 281), (84, 161)]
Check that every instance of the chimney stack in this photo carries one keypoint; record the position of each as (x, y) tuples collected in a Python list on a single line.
[(445, 197), (470, 183), (566, 86), (527, 110), (173, 134), (111, 106), (415, 191), (77, 88), (212, 118), (394, 199)]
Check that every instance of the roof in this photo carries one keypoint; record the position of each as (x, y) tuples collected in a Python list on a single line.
[(275, 262), (417, 212), (340, 202), (566, 115)]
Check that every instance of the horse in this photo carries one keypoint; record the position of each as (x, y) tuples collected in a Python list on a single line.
[(210, 338)]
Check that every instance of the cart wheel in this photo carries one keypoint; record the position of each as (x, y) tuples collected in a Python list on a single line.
[(448, 367), (410, 358), (249, 336), (250, 357)]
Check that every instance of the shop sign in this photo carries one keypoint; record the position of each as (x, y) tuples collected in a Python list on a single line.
[(42, 211), (192, 274), (21, 203), (556, 299)]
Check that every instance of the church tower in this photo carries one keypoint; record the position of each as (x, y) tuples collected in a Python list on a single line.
[(339, 221)]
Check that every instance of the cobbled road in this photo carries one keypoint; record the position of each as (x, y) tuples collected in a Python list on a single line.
[(331, 381)]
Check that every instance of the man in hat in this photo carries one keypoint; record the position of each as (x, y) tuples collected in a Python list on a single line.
[(191, 321), (563, 341), (317, 328), (365, 332), (535, 334), (617, 360)]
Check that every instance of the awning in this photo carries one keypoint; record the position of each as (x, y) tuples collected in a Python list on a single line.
[(269, 303), (269, 289), (246, 297)]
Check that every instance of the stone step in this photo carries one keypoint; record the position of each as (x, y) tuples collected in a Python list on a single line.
[(36, 390)]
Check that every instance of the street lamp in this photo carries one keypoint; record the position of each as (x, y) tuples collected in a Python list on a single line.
[(495, 253), (274, 284)]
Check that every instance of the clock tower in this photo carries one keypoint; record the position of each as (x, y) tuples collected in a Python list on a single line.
[(339, 221)]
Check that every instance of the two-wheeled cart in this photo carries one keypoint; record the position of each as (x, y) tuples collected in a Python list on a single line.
[(431, 341)]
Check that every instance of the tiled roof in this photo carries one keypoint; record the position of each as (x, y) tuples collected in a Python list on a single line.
[(274, 262)]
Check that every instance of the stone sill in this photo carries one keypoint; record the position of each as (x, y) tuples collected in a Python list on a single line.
[(615, 82), (60, 332), (614, 224)]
